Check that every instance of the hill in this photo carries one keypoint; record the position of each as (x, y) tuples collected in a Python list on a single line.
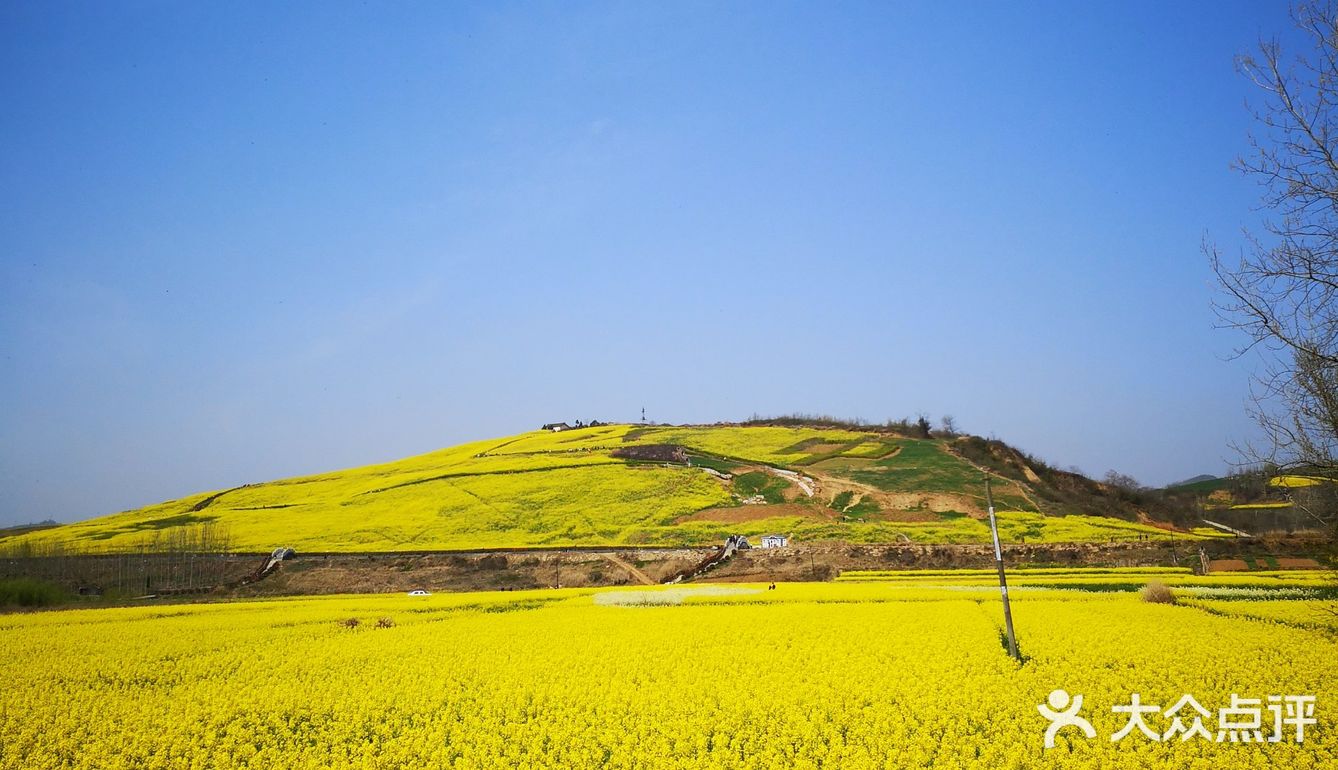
[(642, 485), (1203, 479)]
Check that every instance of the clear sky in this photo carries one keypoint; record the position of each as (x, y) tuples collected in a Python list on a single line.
[(246, 241)]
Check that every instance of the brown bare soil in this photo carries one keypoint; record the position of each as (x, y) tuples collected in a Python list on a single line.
[(641, 577), (388, 573), (1298, 564), (799, 562), (938, 503), (821, 449), (307, 574), (1144, 518), (1228, 565)]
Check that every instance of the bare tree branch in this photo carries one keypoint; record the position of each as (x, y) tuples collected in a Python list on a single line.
[(1282, 290)]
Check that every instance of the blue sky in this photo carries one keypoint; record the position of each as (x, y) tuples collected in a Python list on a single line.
[(245, 241)]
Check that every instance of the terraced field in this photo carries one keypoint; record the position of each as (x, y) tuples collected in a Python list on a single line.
[(614, 485)]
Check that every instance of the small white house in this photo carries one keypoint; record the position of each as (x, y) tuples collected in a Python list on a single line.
[(775, 541)]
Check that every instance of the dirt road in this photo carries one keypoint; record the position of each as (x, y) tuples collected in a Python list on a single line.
[(640, 576)]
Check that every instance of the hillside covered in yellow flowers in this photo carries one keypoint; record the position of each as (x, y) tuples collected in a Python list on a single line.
[(637, 485)]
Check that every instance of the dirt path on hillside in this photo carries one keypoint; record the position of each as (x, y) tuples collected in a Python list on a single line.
[(641, 577), (805, 483)]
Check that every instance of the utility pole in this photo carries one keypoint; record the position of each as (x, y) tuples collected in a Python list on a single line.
[(1003, 582)]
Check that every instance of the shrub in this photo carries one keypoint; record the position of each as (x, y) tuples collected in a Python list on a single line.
[(385, 623), (26, 592), (1158, 592), (350, 623)]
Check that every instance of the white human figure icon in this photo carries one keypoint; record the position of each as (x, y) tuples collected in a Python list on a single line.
[(1063, 713)]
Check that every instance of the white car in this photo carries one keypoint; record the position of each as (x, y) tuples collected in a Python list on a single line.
[(419, 592)]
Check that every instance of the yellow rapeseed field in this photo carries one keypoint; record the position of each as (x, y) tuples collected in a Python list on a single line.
[(1298, 481), (864, 675)]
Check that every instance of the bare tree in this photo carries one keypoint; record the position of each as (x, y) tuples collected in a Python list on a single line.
[(1282, 290), (1122, 482), (947, 426)]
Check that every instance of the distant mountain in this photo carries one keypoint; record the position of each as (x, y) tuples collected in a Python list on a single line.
[(1202, 477)]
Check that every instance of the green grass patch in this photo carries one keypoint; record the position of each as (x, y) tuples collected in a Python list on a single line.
[(848, 506), (769, 487), (920, 466), (865, 507)]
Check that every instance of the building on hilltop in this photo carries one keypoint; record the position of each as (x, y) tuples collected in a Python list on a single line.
[(775, 541), (561, 426)]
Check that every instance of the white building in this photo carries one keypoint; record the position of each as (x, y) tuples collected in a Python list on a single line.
[(775, 541)]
